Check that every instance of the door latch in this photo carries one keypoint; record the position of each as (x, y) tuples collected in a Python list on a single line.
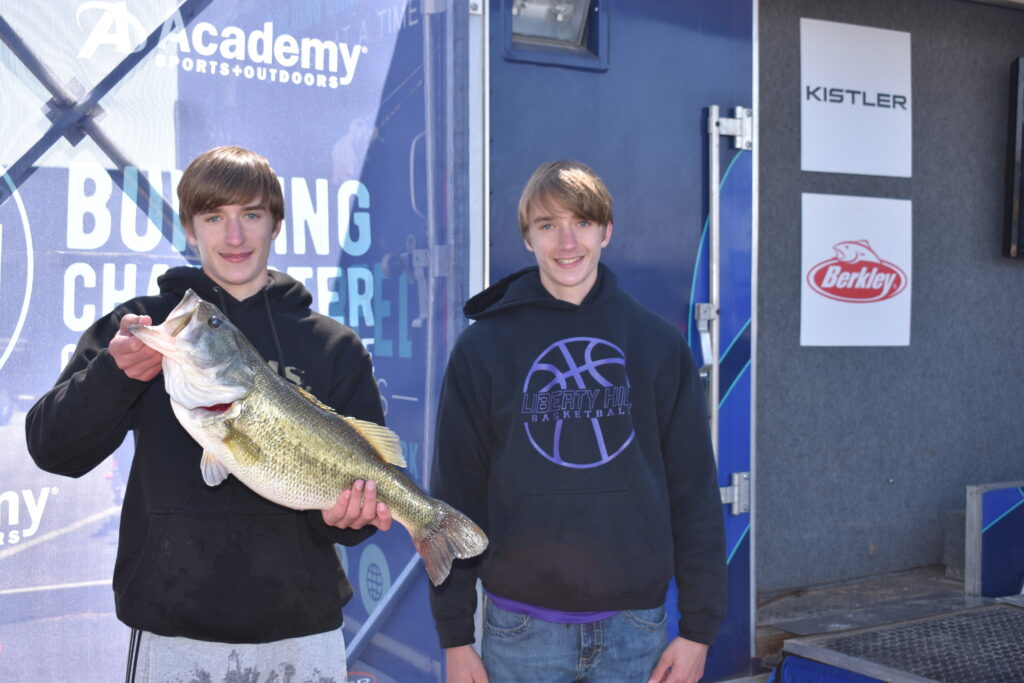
[(738, 493)]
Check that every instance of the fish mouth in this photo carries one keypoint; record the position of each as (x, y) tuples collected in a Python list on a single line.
[(179, 318), (160, 337), (174, 326)]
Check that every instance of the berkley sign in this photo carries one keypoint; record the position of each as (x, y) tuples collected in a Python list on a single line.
[(856, 275)]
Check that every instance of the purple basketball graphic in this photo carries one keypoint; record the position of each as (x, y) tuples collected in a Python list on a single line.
[(576, 405)]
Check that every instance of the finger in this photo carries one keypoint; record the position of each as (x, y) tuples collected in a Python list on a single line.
[(130, 319), (369, 503), (140, 361), (142, 371), (353, 510), (658, 675), (383, 517), (333, 514), (126, 322)]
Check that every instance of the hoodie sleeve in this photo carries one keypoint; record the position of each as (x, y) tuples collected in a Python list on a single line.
[(696, 508), (459, 477), (85, 416), (353, 394)]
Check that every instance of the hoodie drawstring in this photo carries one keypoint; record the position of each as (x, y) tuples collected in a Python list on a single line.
[(270, 318), (273, 333), (223, 301)]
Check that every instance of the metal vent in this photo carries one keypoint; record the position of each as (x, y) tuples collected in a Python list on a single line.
[(981, 645)]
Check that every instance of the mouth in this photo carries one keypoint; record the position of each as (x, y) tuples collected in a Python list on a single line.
[(568, 261), (236, 258)]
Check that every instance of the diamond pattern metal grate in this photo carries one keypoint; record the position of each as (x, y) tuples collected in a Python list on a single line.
[(978, 646)]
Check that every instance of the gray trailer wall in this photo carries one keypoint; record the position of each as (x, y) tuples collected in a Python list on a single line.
[(862, 451)]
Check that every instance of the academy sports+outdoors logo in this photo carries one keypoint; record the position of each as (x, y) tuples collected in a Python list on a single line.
[(575, 404), (856, 274), (258, 54)]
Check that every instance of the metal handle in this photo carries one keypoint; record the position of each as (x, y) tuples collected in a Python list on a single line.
[(709, 320), (740, 129)]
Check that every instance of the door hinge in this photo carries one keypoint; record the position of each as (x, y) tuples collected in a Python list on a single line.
[(737, 494), (740, 128)]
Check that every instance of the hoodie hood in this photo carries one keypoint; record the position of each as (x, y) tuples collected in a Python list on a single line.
[(524, 288), (281, 290)]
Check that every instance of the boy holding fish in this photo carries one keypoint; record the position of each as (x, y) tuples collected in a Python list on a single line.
[(573, 429), (217, 578)]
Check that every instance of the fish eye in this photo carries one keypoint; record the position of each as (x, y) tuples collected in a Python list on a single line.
[(214, 322)]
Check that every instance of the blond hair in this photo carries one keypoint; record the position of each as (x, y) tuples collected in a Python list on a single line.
[(571, 185)]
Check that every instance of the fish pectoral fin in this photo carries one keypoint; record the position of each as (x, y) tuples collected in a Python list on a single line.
[(213, 471), (385, 441)]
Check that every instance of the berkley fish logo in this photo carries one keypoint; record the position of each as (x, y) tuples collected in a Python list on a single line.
[(857, 275)]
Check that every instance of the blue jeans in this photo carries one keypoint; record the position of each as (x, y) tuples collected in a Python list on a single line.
[(621, 649)]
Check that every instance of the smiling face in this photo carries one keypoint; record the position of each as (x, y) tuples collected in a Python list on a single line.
[(567, 248), (233, 242)]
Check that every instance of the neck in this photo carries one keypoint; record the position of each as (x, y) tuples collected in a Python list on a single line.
[(241, 292)]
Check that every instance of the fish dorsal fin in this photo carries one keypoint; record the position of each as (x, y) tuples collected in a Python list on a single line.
[(311, 398), (213, 471), (385, 441)]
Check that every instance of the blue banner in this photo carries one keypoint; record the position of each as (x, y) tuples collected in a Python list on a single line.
[(105, 105)]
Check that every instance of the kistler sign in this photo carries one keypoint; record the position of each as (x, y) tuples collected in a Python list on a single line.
[(855, 99)]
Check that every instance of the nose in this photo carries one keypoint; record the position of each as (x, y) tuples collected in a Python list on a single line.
[(566, 237), (234, 234)]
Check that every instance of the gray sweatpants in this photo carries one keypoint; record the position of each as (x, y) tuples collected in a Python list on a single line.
[(318, 658)]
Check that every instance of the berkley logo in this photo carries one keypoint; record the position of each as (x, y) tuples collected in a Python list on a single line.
[(857, 275)]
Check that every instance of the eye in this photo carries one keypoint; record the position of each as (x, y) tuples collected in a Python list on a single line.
[(583, 224), (214, 322)]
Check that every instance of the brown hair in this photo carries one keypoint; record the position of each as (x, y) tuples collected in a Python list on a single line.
[(572, 186), (228, 175)]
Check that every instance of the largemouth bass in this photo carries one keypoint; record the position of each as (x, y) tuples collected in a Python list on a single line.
[(284, 444)]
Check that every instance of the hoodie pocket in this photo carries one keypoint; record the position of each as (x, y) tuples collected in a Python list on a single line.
[(230, 577), (578, 549)]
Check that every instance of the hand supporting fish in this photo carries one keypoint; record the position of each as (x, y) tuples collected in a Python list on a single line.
[(358, 507), (284, 444)]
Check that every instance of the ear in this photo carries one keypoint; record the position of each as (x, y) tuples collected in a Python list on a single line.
[(607, 235), (190, 234), (526, 243), (277, 230)]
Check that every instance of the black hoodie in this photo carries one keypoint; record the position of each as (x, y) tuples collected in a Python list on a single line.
[(219, 564), (577, 437)]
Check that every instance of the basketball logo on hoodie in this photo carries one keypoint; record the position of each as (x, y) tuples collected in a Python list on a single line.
[(575, 405)]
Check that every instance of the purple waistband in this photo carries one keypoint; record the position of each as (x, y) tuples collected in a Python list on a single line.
[(544, 614)]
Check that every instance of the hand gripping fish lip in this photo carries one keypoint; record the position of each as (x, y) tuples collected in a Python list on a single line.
[(161, 337)]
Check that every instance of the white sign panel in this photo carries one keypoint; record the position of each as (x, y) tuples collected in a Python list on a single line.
[(855, 103), (856, 268)]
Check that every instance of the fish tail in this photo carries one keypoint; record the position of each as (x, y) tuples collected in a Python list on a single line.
[(454, 535)]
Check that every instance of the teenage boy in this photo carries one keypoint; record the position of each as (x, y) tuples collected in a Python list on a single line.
[(573, 429), (217, 579)]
